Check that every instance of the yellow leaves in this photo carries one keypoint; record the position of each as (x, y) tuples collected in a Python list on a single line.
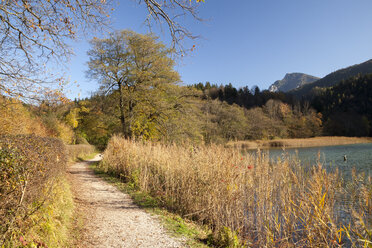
[(72, 118)]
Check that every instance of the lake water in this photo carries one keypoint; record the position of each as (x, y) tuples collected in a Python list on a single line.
[(359, 156)]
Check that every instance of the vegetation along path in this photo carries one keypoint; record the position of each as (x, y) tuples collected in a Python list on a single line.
[(112, 219)]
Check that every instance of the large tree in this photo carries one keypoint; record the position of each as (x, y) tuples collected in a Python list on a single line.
[(135, 65)]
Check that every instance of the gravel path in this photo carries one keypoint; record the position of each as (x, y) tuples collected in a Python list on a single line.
[(111, 218)]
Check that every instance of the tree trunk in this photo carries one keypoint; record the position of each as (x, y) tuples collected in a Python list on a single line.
[(130, 114), (122, 116)]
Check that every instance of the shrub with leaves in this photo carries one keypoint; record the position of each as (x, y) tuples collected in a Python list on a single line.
[(28, 166)]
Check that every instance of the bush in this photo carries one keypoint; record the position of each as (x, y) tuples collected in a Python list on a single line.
[(29, 166)]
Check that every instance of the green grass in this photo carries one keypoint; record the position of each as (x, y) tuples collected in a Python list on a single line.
[(85, 157), (196, 235)]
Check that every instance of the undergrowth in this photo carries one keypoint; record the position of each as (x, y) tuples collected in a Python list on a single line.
[(52, 224), (36, 205)]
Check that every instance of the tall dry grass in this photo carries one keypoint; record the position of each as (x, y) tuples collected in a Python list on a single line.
[(303, 142), (75, 152), (264, 204)]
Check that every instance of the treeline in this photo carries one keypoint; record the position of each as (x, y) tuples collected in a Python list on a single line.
[(344, 109), (243, 97), (347, 107), (201, 113), (186, 114)]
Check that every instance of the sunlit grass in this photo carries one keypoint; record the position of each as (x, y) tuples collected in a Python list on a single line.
[(80, 152), (262, 203), (305, 142)]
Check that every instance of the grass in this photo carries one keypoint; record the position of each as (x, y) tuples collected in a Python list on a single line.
[(196, 235), (85, 157), (296, 143), (80, 152), (247, 199)]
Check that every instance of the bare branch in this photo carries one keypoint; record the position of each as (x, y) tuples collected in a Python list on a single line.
[(169, 11), (34, 33)]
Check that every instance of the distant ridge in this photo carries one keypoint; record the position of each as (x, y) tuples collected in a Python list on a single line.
[(334, 78), (292, 81)]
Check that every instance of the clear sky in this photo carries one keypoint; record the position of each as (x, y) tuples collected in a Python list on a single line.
[(255, 42)]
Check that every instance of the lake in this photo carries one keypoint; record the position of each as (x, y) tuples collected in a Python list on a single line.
[(359, 156)]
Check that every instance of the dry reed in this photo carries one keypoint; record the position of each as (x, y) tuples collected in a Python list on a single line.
[(265, 204), (305, 142)]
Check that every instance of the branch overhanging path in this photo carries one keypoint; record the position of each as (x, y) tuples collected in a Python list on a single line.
[(111, 217)]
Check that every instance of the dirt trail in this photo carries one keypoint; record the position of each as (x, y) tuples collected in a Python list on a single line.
[(111, 218)]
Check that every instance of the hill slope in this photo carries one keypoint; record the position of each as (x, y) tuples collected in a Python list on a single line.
[(334, 78), (292, 81), (347, 107)]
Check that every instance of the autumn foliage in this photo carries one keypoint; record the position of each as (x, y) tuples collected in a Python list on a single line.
[(29, 167), (16, 119)]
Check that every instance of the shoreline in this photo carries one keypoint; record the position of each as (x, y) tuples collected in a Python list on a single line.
[(299, 143)]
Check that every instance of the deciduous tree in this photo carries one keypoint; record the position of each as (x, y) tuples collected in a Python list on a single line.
[(136, 65)]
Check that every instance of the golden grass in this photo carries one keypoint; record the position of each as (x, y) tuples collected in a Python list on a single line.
[(80, 151), (295, 143), (247, 196)]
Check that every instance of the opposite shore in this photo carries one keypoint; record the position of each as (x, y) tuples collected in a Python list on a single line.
[(297, 143)]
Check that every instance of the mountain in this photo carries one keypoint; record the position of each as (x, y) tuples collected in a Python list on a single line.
[(334, 78), (292, 81)]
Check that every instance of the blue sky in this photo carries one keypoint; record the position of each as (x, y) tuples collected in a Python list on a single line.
[(254, 42)]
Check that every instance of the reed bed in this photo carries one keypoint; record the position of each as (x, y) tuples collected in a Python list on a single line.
[(304, 142), (247, 197)]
